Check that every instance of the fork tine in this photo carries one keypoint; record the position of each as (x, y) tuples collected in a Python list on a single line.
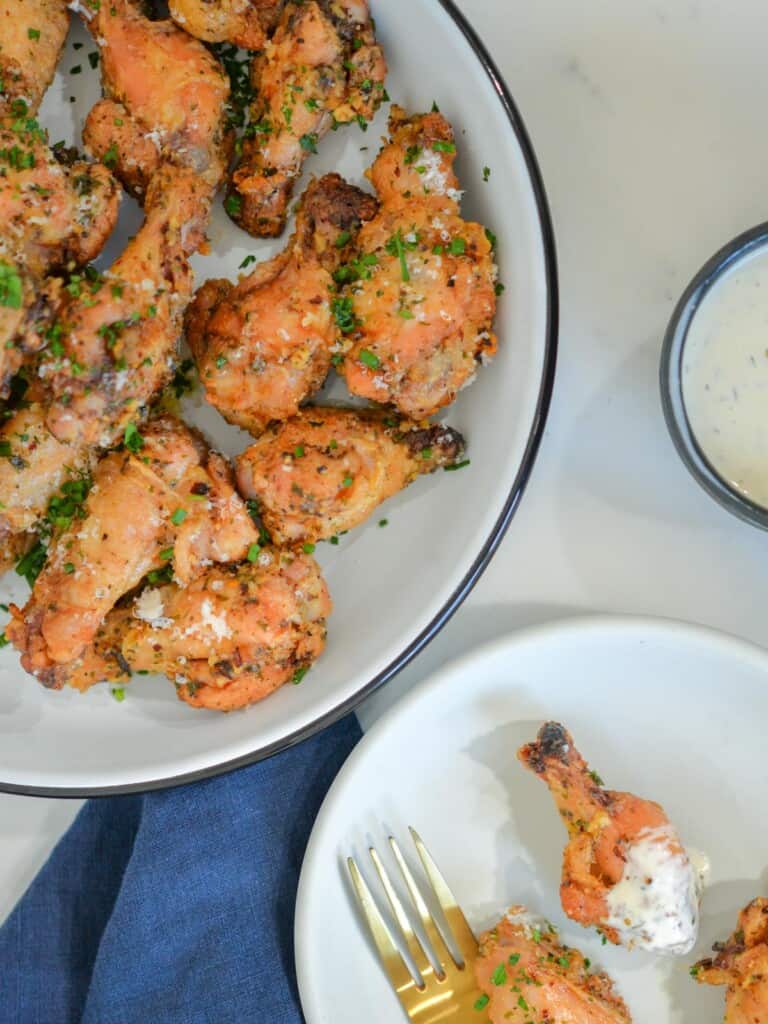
[(433, 934), (454, 915), (391, 958), (418, 953)]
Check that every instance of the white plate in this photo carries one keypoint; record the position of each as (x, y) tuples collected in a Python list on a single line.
[(672, 712), (392, 588)]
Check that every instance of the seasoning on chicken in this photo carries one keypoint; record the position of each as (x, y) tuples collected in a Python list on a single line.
[(625, 870), (235, 634), (420, 298), (51, 216), (526, 975), (741, 964), (32, 34), (33, 467), (242, 22), (325, 470), (321, 69), (165, 98), (117, 334), (264, 345), (162, 501)]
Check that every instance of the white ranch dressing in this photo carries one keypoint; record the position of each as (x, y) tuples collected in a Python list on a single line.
[(655, 905), (725, 376)]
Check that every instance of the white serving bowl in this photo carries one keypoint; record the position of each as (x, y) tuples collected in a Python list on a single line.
[(393, 588)]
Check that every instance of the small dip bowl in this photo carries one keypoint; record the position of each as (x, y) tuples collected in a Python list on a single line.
[(710, 362)]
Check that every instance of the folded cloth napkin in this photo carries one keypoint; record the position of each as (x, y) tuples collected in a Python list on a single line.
[(173, 907)]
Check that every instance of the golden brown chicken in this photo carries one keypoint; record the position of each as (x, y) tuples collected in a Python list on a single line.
[(116, 336), (32, 34), (418, 308), (325, 470), (236, 633), (322, 68), (51, 216), (33, 467), (264, 345), (162, 502), (165, 98), (242, 22), (741, 964), (625, 870), (526, 975)]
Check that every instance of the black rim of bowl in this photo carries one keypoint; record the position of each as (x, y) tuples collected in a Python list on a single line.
[(500, 526), (671, 376)]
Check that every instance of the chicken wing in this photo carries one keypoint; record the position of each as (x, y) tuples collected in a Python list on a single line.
[(526, 975), (116, 336), (325, 470), (165, 98), (322, 68), (741, 963), (242, 22), (625, 870), (264, 345), (235, 634), (164, 501), (419, 301), (51, 216), (32, 34)]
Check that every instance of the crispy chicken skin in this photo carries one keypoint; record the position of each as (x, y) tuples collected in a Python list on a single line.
[(325, 470), (237, 633), (174, 500), (322, 67), (741, 964), (242, 22), (165, 97), (33, 470), (264, 345), (625, 870), (527, 975), (32, 34), (52, 216), (118, 336), (423, 301)]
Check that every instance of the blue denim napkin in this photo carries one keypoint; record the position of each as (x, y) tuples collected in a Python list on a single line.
[(173, 907)]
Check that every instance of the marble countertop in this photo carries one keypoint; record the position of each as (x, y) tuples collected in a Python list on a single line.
[(648, 120)]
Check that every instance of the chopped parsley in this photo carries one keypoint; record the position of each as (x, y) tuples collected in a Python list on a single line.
[(481, 1002), (457, 247), (118, 693), (247, 262), (233, 205), (343, 314), (499, 976), (596, 778), (298, 675), (342, 240), (10, 286), (166, 555), (308, 142), (396, 247), (443, 147), (308, 548), (33, 33), (456, 465), (132, 439), (369, 359), (486, 173), (69, 568), (179, 516), (253, 552)]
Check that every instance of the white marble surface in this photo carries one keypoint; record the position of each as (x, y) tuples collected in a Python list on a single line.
[(648, 117)]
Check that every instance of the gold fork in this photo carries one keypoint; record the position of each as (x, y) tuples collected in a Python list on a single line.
[(443, 987)]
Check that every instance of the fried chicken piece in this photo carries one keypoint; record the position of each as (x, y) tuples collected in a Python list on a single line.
[(264, 345), (33, 466), (32, 34), (422, 300), (741, 963), (325, 470), (527, 975), (118, 334), (171, 500), (235, 634), (322, 68), (165, 98), (625, 870), (51, 216), (242, 22)]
